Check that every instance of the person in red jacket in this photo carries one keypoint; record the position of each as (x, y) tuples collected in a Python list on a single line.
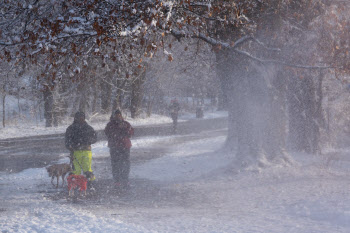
[(118, 132)]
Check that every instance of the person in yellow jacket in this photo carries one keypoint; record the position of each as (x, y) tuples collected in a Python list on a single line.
[(78, 139)]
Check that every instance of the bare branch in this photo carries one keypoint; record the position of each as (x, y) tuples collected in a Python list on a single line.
[(281, 62), (242, 40)]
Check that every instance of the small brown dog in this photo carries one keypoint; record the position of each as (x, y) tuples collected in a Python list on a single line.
[(58, 170)]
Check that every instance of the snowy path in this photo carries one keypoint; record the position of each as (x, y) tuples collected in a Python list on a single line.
[(304, 198), (189, 187)]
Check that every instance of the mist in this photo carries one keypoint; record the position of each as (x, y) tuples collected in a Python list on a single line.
[(235, 115)]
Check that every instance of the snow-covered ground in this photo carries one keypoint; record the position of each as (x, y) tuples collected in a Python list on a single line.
[(205, 193), (30, 128)]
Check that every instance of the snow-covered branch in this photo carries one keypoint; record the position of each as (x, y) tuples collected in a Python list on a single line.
[(270, 61), (241, 41)]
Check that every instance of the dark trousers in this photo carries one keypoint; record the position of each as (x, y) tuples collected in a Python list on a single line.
[(120, 159), (174, 117)]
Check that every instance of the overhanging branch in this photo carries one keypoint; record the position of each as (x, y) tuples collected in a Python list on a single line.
[(269, 61), (214, 42)]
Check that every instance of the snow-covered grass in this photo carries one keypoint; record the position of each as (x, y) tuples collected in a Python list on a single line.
[(185, 162), (22, 119), (29, 127), (207, 115), (207, 195)]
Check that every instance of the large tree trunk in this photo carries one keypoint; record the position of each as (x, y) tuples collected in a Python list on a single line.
[(224, 70), (276, 131), (257, 118), (305, 111)]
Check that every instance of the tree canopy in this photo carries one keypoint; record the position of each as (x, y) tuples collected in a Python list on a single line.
[(136, 29)]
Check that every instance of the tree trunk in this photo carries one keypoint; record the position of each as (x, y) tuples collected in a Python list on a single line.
[(151, 99), (57, 107), (55, 112), (256, 102), (224, 71), (223, 75), (64, 101), (3, 110), (83, 95), (277, 117), (18, 102), (95, 96), (106, 91), (136, 95), (305, 112), (48, 106), (117, 100)]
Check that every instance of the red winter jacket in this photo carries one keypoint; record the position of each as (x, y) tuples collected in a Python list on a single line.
[(118, 134)]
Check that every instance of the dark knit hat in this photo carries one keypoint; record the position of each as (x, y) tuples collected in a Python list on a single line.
[(79, 115), (117, 112)]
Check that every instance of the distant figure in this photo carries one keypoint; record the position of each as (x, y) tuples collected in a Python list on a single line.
[(199, 112), (78, 139), (118, 132), (174, 112)]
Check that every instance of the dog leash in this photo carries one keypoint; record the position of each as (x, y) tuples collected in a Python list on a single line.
[(71, 157)]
